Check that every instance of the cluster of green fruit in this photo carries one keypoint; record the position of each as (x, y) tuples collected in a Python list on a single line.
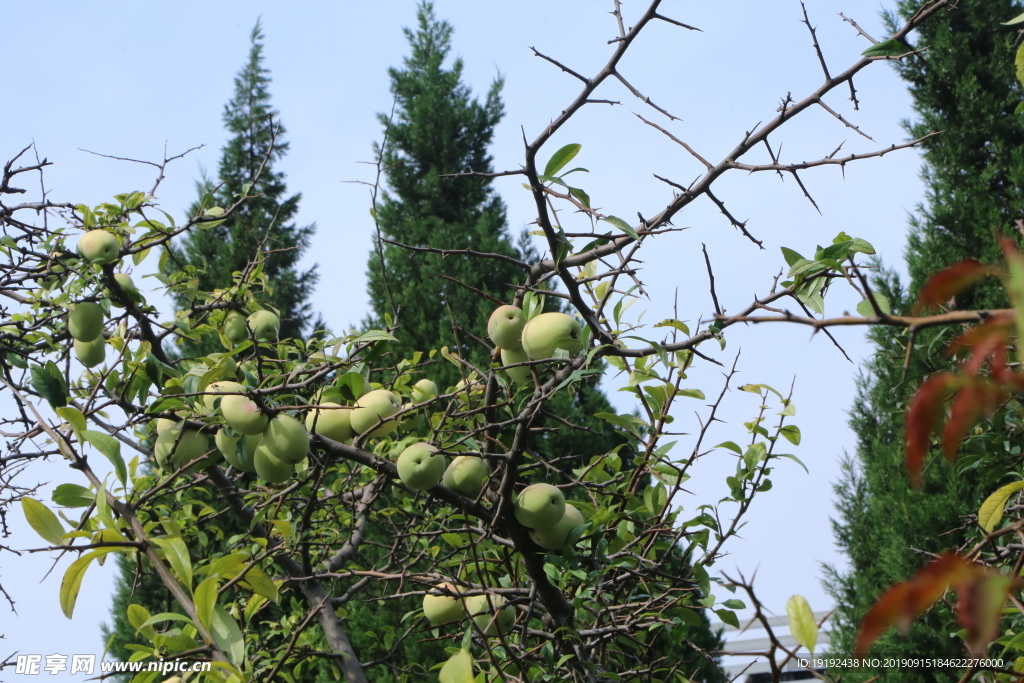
[(489, 612), (542, 509), (85, 319), (542, 337)]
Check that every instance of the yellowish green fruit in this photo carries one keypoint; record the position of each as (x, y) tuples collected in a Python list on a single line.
[(286, 439), (548, 332), (467, 475), (234, 327), (85, 321), (124, 281), (373, 407), (271, 468), (424, 390), (539, 506), (554, 538), (216, 390), (224, 361), (163, 423), (91, 353), (243, 414), (482, 609), (264, 325), (240, 459), (421, 467), (521, 374), (191, 445), (331, 420), (99, 246), (443, 609), (505, 327)]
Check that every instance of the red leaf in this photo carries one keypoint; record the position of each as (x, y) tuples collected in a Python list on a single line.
[(950, 281), (906, 601), (922, 416), (976, 399)]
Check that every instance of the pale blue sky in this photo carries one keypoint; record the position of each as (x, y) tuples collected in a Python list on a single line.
[(124, 78)]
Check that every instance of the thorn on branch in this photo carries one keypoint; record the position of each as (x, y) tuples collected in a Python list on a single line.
[(561, 66), (741, 225), (643, 98)]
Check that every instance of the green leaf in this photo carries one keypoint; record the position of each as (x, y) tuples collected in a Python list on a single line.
[(867, 310), (137, 616), (991, 511), (177, 556), (756, 452), (728, 617), (677, 324), (888, 48), (372, 336), (227, 635), (801, 622), (623, 226), (43, 521), (560, 158), (261, 583), (72, 582), (734, 604), (111, 448), (791, 256), (458, 668), (73, 416), (1019, 109), (206, 599), (1016, 20), (655, 498), (72, 496), (582, 196), (732, 446), (791, 433), (49, 383)]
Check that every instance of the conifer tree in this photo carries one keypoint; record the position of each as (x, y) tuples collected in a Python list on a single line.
[(964, 86), (212, 255), (267, 219), (439, 128)]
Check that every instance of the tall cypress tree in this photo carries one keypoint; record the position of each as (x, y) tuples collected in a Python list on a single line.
[(267, 218), (212, 255), (964, 86), (439, 128)]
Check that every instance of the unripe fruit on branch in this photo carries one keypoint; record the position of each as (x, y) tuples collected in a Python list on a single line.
[(224, 361), (421, 467), (548, 332), (505, 327), (482, 609), (234, 327), (371, 408), (240, 459), (519, 375), (91, 353), (191, 445), (271, 468), (124, 281), (264, 325), (539, 506), (467, 475), (331, 420), (424, 390), (99, 247), (215, 389), (243, 414), (286, 439), (85, 321), (554, 538), (443, 609)]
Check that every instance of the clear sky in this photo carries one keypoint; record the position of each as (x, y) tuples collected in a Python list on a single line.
[(128, 78)]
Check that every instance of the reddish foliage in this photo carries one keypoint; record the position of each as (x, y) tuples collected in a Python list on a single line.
[(923, 416), (982, 592), (977, 398), (949, 282)]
